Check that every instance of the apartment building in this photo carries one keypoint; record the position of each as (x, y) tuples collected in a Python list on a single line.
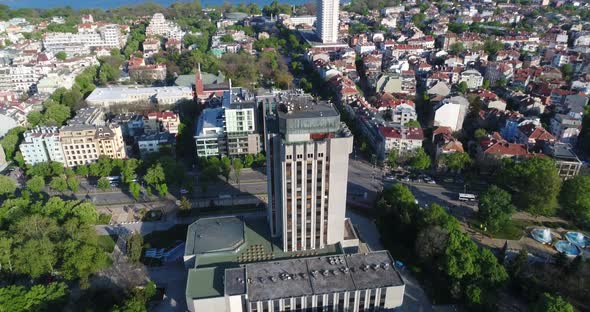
[(327, 20), (451, 113), (42, 144), (22, 79), (107, 36), (159, 26), (307, 158), (84, 144), (401, 140), (167, 121)]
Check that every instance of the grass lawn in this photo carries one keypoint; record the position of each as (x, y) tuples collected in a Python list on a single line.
[(165, 239), (513, 230), (107, 242), (104, 218)]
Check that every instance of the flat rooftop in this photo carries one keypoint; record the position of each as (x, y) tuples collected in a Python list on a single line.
[(312, 38), (214, 235), (210, 118), (320, 275), (208, 278), (136, 93)]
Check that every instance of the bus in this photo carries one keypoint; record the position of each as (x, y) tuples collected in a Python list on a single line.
[(467, 197)]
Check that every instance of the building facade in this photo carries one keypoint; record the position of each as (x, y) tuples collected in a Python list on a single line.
[(327, 20), (308, 160), (42, 145)]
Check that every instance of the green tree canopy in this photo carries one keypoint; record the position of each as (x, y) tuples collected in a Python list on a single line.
[(456, 160), (549, 303), (7, 185), (575, 198), (534, 183), (495, 208), (420, 160)]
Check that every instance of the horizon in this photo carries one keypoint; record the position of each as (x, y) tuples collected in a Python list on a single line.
[(110, 4)]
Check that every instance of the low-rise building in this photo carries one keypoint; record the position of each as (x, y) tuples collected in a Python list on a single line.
[(451, 113), (105, 97), (167, 121), (567, 162), (153, 143), (401, 140), (472, 78), (566, 128)]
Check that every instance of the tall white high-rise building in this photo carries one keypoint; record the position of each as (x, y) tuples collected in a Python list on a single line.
[(307, 165), (327, 20)]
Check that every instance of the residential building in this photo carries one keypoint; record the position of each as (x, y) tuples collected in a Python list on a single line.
[(88, 116), (307, 158), (567, 162), (493, 148), (210, 135), (532, 134), (451, 113), (445, 143), (107, 36), (243, 136), (147, 72), (159, 26), (327, 20), (472, 78), (167, 121), (84, 144), (152, 143), (566, 127), (402, 140), (42, 144)]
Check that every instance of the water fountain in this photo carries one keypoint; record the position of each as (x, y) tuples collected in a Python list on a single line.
[(578, 239), (568, 248), (542, 236)]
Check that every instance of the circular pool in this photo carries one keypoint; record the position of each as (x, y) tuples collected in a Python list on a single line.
[(568, 248), (542, 235), (577, 239)]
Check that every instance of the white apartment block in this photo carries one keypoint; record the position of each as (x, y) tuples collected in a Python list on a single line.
[(159, 26), (42, 145), (472, 78), (327, 20), (108, 36), (20, 78)]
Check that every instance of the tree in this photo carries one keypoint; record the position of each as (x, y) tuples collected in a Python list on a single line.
[(567, 70), (456, 48), (134, 246), (456, 160), (486, 84), (58, 184), (103, 184), (82, 170), (6, 246), (237, 168), (480, 133), (35, 257), (248, 160), (11, 140), (135, 190), (61, 56), (495, 208), (575, 198), (418, 19), (73, 183), (492, 46), (549, 303), (392, 158), (226, 167), (36, 184), (7, 185), (51, 297), (420, 160), (56, 114), (462, 87), (155, 175), (34, 118), (534, 183), (86, 213)]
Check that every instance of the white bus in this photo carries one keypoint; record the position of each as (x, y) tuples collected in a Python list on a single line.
[(467, 197)]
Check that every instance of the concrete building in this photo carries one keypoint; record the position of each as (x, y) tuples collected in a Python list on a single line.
[(401, 140), (88, 116), (84, 144), (159, 26), (42, 145), (308, 150), (107, 36), (152, 143), (327, 20), (233, 267), (451, 113), (210, 133), (567, 162), (167, 121), (566, 128), (472, 78), (105, 97)]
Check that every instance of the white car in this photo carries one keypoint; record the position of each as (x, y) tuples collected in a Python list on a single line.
[(183, 191)]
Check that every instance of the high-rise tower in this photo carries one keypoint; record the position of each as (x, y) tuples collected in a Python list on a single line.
[(307, 166), (327, 20)]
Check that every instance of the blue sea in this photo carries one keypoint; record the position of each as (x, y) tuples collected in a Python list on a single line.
[(106, 4)]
